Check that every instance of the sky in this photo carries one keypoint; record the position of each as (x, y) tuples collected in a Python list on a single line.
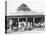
[(34, 5)]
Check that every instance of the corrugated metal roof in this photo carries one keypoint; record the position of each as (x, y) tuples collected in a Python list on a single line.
[(23, 7)]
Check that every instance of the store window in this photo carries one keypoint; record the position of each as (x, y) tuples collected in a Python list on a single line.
[(29, 19), (22, 19), (39, 19), (14, 25)]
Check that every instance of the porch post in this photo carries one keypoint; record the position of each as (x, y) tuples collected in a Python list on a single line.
[(18, 21), (33, 21)]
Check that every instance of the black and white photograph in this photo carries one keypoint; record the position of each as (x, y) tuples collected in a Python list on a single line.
[(23, 16)]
